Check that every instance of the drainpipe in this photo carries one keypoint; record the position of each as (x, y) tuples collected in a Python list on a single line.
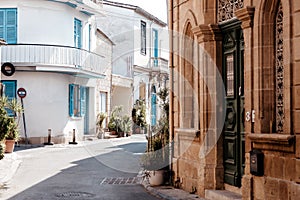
[(171, 71)]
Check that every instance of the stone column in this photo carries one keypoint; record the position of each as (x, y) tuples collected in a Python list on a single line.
[(251, 101), (209, 72)]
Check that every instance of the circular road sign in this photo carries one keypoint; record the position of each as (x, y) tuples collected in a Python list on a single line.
[(21, 93), (8, 69)]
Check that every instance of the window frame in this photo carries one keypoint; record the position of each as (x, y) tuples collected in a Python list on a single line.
[(4, 24), (77, 33), (143, 38), (77, 100), (10, 97)]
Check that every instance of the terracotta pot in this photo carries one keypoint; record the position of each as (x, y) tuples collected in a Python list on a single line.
[(9, 146), (156, 177)]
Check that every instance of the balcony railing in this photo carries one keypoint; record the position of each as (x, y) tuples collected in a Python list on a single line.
[(67, 58), (159, 64)]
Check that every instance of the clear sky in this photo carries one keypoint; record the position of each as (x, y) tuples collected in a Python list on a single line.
[(158, 8)]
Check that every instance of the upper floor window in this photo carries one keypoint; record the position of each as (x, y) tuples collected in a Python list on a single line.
[(8, 25), (143, 38), (77, 33), (155, 47)]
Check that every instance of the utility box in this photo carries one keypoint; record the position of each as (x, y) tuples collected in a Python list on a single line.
[(256, 162)]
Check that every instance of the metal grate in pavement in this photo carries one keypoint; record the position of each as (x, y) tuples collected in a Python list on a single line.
[(121, 181)]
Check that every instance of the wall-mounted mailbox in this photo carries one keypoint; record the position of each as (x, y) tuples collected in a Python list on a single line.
[(256, 163)]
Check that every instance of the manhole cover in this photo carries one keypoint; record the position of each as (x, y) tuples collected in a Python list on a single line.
[(78, 195), (121, 181)]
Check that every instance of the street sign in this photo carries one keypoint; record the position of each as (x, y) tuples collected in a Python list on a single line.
[(8, 69), (21, 93)]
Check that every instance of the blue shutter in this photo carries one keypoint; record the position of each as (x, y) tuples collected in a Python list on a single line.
[(10, 93), (155, 49), (82, 100), (77, 33), (11, 26), (153, 109), (2, 25), (71, 100)]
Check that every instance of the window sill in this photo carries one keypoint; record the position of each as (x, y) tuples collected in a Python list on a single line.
[(188, 134), (273, 142), (75, 118)]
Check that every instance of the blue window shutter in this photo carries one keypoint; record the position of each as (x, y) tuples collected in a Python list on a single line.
[(153, 109), (77, 33), (155, 47), (10, 92), (11, 26), (82, 100), (2, 27), (71, 100)]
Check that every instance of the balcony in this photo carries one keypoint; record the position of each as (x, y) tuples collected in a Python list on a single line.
[(160, 65), (88, 7), (52, 58)]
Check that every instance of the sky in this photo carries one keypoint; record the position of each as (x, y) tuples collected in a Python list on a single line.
[(158, 8)]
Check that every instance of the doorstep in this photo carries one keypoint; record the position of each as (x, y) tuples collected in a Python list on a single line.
[(222, 195)]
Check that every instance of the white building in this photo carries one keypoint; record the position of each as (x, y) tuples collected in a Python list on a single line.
[(140, 55), (54, 46)]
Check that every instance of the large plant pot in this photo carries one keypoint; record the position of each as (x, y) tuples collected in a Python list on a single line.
[(156, 177), (9, 146)]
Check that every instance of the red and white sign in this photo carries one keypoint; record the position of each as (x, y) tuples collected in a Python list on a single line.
[(21, 93)]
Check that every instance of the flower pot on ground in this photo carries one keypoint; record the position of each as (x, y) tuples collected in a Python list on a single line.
[(9, 146), (156, 177), (9, 130), (99, 124), (12, 136), (154, 163)]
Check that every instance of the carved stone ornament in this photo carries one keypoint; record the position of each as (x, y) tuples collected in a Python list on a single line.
[(226, 9), (279, 73)]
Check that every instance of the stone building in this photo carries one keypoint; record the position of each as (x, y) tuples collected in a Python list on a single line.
[(235, 97)]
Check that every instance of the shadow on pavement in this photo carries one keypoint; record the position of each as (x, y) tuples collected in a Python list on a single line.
[(85, 180)]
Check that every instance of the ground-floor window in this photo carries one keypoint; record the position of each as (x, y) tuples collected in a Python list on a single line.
[(9, 91), (77, 100), (103, 104)]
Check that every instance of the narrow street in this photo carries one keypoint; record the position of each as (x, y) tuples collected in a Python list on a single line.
[(101, 169)]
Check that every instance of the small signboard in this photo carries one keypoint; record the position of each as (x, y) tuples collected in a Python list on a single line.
[(8, 69), (21, 93)]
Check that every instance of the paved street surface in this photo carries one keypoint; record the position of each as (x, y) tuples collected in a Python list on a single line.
[(102, 169)]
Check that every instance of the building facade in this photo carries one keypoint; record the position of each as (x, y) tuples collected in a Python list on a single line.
[(235, 97), (54, 48), (140, 55)]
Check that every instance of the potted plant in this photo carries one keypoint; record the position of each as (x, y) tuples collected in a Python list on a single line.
[(9, 124), (138, 115), (12, 135), (99, 124), (154, 162), (114, 124), (126, 125)]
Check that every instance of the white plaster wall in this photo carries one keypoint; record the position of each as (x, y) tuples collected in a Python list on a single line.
[(47, 103), (45, 22), (117, 24), (121, 96)]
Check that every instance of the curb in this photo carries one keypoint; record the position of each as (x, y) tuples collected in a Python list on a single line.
[(153, 191)]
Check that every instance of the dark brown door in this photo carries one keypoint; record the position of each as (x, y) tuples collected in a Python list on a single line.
[(233, 75)]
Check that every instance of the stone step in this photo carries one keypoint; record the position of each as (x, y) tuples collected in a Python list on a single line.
[(221, 195)]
